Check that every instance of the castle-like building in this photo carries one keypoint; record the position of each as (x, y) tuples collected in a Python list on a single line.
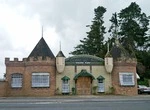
[(43, 74)]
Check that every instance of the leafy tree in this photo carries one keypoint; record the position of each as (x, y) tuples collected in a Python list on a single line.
[(114, 26), (134, 36), (143, 58), (133, 27), (93, 44), (113, 29)]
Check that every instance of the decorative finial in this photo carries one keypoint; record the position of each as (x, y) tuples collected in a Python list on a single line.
[(42, 31), (60, 45), (108, 47)]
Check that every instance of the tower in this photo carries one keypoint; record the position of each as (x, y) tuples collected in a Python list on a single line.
[(108, 61), (60, 61), (124, 80)]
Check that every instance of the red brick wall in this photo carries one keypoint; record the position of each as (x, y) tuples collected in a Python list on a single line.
[(123, 66), (26, 68), (3, 88), (9, 71), (29, 91)]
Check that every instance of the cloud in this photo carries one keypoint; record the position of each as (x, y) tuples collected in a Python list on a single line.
[(68, 17), (63, 20)]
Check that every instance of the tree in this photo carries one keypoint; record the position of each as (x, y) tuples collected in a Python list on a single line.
[(133, 27), (143, 58), (93, 44), (114, 26), (134, 35), (113, 29)]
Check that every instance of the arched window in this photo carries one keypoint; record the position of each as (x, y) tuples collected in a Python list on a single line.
[(65, 84), (101, 87), (16, 80)]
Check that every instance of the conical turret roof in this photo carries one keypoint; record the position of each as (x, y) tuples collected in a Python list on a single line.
[(118, 51), (41, 49), (60, 54)]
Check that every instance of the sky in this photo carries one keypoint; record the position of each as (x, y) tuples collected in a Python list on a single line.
[(63, 21)]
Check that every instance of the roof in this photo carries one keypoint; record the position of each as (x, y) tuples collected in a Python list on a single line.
[(100, 78), (60, 54), (108, 54), (83, 73), (118, 51), (65, 78), (84, 60), (41, 49)]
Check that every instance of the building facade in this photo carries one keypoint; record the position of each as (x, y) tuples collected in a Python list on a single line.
[(43, 74), (83, 73)]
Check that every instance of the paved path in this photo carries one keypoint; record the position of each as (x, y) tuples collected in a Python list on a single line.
[(75, 98), (109, 102)]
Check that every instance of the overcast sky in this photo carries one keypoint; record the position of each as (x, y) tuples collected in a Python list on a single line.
[(64, 21)]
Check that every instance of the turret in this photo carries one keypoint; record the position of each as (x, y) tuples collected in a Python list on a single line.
[(60, 62), (108, 61)]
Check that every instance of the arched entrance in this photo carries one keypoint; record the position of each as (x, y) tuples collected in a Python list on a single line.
[(83, 82), (83, 86)]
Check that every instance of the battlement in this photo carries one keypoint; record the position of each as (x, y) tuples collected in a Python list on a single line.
[(30, 61), (40, 58), (128, 60), (15, 60), (125, 62)]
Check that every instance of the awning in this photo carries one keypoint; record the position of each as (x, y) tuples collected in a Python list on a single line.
[(137, 76), (65, 78), (100, 78), (83, 73)]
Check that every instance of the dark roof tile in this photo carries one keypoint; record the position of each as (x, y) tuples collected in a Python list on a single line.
[(83, 73), (60, 54), (41, 49)]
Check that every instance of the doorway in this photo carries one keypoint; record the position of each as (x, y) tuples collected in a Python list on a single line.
[(83, 86)]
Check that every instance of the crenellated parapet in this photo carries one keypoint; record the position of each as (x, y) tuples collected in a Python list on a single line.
[(14, 62), (40, 61), (31, 61), (125, 62)]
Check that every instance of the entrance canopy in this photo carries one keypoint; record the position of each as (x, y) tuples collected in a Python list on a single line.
[(100, 78), (65, 78), (83, 73)]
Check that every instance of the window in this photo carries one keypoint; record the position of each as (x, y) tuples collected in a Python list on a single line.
[(16, 80), (126, 79), (101, 87), (40, 79), (65, 84)]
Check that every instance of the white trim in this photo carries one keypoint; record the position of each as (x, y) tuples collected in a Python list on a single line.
[(126, 73), (40, 74)]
